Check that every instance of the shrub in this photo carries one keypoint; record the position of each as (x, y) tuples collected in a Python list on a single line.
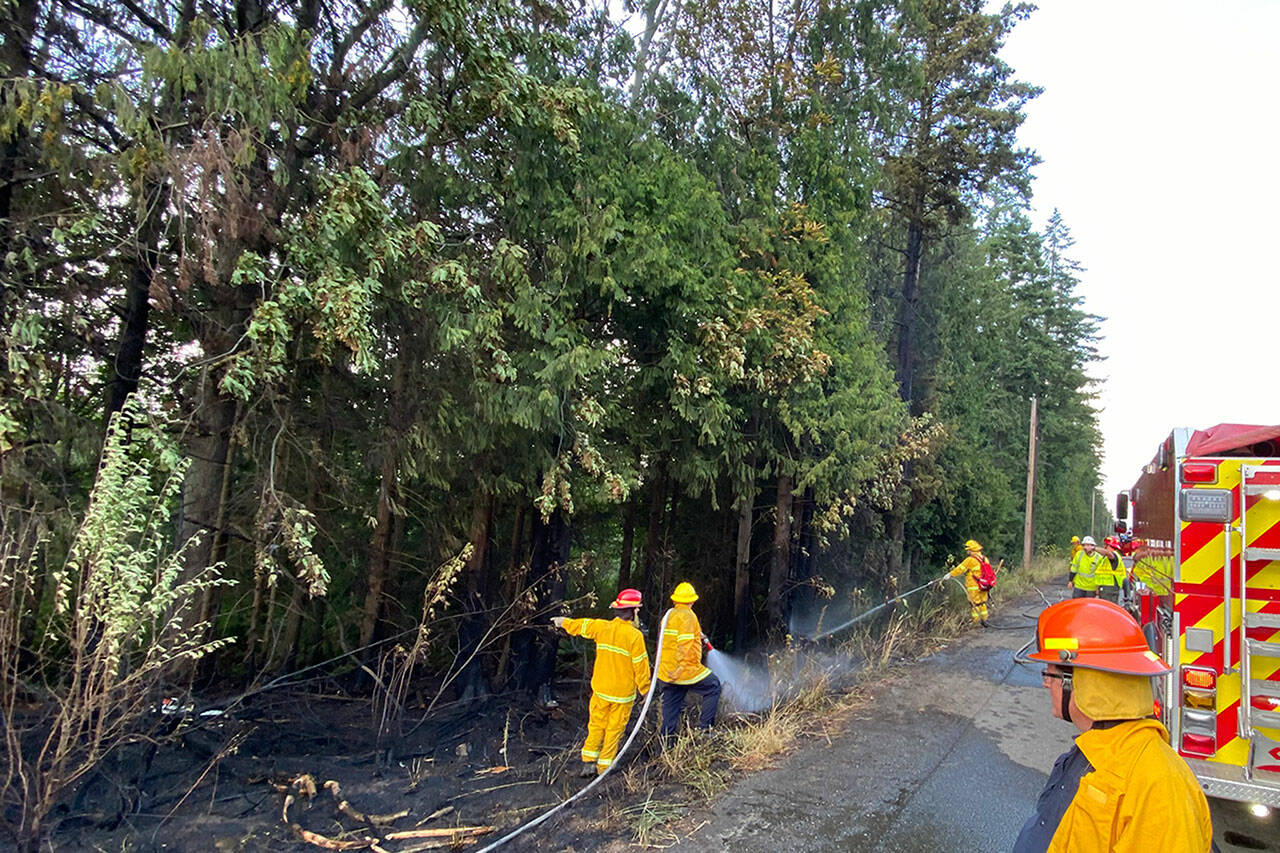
[(106, 646)]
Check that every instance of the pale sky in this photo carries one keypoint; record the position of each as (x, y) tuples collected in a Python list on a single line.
[(1159, 127)]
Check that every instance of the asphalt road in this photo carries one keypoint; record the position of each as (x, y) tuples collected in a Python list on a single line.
[(950, 756)]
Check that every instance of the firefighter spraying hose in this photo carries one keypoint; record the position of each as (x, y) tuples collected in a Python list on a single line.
[(635, 730)]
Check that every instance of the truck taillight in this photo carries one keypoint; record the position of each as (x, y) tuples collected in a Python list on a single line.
[(1199, 744), (1199, 731), (1199, 472), (1203, 679)]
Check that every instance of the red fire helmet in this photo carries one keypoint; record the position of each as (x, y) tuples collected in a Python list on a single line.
[(627, 598)]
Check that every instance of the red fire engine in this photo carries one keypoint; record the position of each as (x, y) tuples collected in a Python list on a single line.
[(1206, 566)]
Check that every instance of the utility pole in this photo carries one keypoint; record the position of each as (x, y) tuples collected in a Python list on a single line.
[(1031, 488), (1093, 509)]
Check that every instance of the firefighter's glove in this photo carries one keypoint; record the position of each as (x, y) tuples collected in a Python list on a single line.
[(558, 621)]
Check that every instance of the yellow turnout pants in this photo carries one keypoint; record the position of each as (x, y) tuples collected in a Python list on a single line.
[(977, 603), (605, 726)]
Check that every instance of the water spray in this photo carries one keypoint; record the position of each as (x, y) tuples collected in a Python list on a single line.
[(869, 613), (749, 688)]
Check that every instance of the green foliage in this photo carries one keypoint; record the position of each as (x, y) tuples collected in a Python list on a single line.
[(409, 278), (121, 579)]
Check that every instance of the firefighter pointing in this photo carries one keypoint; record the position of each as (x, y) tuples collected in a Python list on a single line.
[(979, 578), (1121, 787), (621, 670)]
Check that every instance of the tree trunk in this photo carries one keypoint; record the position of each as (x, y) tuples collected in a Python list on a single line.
[(628, 544), (907, 311), (780, 566), (653, 13), (379, 547), (742, 569), (211, 602), (17, 26), (651, 583), (802, 557), (283, 652), (512, 585), (666, 582), (471, 632), (551, 550), (126, 368), (208, 447)]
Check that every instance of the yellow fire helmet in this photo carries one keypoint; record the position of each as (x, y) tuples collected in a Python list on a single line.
[(973, 545), (1075, 539), (684, 593)]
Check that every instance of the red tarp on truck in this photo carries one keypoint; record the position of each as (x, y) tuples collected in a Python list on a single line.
[(1223, 438)]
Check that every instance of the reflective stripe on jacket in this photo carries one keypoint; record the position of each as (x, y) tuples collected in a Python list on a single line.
[(1085, 569), (622, 662), (681, 661), (1139, 796)]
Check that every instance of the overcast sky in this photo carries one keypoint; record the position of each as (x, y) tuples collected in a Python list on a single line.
[(1160, 136)]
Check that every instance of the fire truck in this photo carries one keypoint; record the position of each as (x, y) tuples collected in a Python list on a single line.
[(1206, 568)]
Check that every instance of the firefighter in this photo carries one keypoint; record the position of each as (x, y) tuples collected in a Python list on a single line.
[(971, 568), (1075, 547), (1106, 573), (1121, 787), (680, 668), (1085, 568), (1116, 575), (621, 671)]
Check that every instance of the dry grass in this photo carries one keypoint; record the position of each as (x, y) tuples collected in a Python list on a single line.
[(692, 760), (649, 821)]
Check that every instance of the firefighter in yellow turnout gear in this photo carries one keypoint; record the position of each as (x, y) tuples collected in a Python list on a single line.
[(680, 668), (621, 673), (971, 568), (1121, 787)]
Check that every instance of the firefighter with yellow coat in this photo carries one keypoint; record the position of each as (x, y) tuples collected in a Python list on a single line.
[(1121, 787), (621, 672), (680, 668), (971, 568)]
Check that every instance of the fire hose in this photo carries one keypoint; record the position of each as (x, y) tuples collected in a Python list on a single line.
[(644, 709), (868, 613)]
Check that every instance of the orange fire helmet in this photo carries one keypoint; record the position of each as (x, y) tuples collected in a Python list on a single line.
[(1091, 633)]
